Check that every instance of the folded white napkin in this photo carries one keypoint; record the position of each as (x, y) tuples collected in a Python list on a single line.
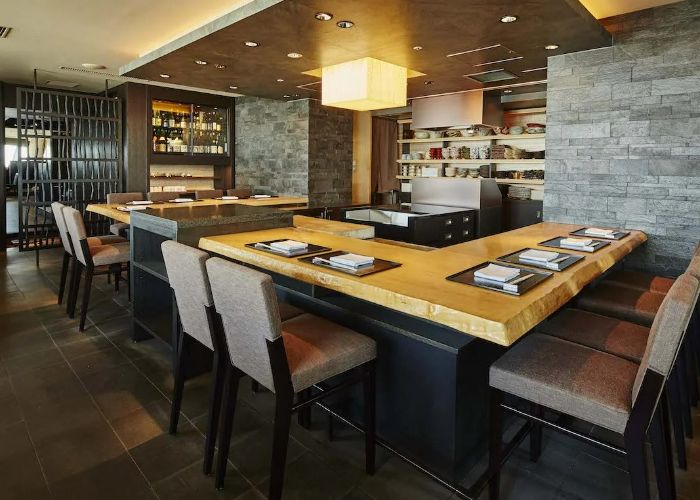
[(182, 200), (261, 196), (576, 242), (132, 208), (140, 202), (596, 231), (352, 260), (289, 245), (538, 255), (229, 197), (494, 272)]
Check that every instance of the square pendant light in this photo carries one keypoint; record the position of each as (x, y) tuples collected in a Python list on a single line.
[(364, 84)]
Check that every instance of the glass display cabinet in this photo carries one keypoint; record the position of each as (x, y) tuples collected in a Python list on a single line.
[(189, 129)]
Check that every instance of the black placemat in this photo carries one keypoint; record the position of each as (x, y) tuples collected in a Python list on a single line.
[(568, 260), (554, 243), (467, 277), (308, 250), (617, 235), (379, 265)]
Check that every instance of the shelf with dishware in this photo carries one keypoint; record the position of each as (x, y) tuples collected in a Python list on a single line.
[(477, 138), (475, 162), (534, 182)]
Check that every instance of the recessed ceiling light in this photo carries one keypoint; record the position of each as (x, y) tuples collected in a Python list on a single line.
[(345, 24), (552, 46), (509, 19), (295, 95), (280, 79), (232, 87), (164, 75), (251, 43), (93, 66), (323, 16), (286, 96), (417, 47), (200, 62), (428, 82), (220, 66), (294, 55), (507, 91)]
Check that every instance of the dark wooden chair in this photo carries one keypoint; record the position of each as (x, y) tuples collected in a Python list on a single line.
[(203, 194), (122, 228), (240, 192)]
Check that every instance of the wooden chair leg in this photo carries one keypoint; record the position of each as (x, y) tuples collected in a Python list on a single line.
[(536, 434), (304, 415), (64, 275), (86, 297), (666, 423), (71, 283), (179, 370), (659, 454), (280, 442), (254, 386), (674, 400), (73, 299), (636, 463), (117, 277), (495, 442), (370, 396), (217, 388), (233, 376), (330, 427), (685, 395)]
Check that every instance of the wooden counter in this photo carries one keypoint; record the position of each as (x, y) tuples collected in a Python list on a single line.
[(300, 221), (419, 288)]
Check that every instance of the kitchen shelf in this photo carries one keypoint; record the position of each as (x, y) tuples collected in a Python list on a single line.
[(475, 162), (538, 182), (478, 138), (186, 178)]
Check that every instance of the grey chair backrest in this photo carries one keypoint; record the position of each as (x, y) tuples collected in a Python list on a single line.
[(76, 228), (59, 219), (208, 193), (115, 198), (247, 303), (667, 331), (156, 196), (187, 274), (240, 192)]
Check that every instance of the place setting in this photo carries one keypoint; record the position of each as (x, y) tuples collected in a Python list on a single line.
[(351, 263), (555, 261), (287, 248), (589, 245), (505, 278), (596, 232)]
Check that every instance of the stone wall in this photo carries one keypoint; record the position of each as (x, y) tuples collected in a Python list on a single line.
[(623, 134), (272, 145), (295, 148)]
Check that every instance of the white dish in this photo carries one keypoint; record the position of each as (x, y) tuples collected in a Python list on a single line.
[(140, 202), (498, 273), (289, 245), (538, 255), (255, 196), (352, 260), (576, 242), (182, 200)]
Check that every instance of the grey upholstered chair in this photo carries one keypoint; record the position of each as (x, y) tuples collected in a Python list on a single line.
[(287, 358), (57, 210), (122, 228), (597, 387), (240, 192), (202, 194), (96, 260), (161, 196)]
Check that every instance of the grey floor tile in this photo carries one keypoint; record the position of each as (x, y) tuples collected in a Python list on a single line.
[(94, 362), (40, 360), (20, 472), (396, 479), (191, 484)]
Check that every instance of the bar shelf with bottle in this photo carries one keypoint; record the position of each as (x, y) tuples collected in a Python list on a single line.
[(188, 129)]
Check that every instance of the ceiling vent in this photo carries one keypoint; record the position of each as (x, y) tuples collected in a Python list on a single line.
[(496, 75), (4, 31), (62, 84)]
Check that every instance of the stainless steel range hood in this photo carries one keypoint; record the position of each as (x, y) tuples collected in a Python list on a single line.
[(466, 108)]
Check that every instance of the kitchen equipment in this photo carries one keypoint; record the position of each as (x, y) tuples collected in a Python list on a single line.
[(516, 130), (421, 134), (450, 171), (435, 134)]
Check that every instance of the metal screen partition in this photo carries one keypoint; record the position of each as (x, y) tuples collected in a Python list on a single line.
[(71, 153)]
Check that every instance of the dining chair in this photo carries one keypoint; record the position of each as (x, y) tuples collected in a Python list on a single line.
[(122, 228), (162, 196), (203, 194), (240, 192), (289, 358)]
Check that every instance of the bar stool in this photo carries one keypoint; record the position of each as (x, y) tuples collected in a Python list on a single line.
[(162, 196), (240, 192), (188, 279), (597, 387), (96, 260), (287, 358), (203, 194), (122, 228), (628, 341), (57, 210)]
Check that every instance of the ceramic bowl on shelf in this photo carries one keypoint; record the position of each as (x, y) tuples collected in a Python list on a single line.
[(435, 134), (516, 130), (450, 171), (468, 132), (421, 134)]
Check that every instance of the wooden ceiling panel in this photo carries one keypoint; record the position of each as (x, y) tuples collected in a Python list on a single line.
[(385, 30)]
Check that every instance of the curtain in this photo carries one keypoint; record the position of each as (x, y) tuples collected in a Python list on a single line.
[(384, 136)]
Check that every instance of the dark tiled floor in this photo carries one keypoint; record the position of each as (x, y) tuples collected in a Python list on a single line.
[(84, 416)]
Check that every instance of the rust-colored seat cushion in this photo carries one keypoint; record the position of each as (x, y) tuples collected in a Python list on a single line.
[(611, 335), (641, 281), (103, 255), (629, 304)]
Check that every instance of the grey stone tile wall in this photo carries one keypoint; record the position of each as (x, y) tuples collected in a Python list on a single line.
[(296, 148), (623, 134)]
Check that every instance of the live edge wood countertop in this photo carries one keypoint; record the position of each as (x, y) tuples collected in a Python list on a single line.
[(419, 287)]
